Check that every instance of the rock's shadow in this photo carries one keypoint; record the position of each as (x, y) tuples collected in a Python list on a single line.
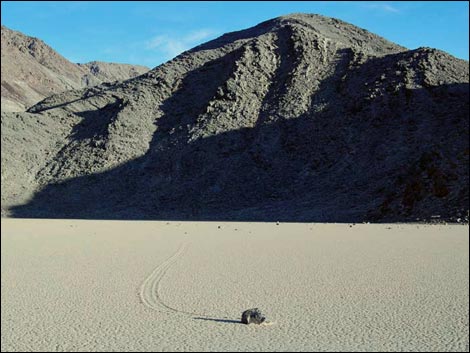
[(225, 321)]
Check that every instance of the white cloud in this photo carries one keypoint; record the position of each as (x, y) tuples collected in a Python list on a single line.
[(389, 8), (199, 35), (381, 6), (173, 45), (156, 42)]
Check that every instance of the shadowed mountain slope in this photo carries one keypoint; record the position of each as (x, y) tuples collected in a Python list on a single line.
[(301, 118)]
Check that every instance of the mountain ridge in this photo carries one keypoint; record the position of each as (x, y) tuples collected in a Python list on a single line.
[(32, 71), (275, 122)]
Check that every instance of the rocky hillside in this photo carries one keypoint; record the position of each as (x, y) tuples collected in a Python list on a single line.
[(300, 118), (98, 71), (32, 71)]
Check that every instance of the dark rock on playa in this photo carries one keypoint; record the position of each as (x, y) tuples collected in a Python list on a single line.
[(252, 316)]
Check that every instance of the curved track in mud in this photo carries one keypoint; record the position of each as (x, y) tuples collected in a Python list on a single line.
[(151, 288)]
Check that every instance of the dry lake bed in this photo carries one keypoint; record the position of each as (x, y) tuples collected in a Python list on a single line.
[(71, 285)]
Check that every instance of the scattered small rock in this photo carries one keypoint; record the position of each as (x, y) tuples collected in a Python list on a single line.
[(252, 316)]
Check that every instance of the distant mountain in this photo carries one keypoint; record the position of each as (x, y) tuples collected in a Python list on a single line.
[(300, 118), (32, 71), (98, 71)]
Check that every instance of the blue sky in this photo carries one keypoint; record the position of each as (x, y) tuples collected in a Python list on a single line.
[(150, 33)]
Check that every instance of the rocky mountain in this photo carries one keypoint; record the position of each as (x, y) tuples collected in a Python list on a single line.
[(32, 71), (300, 118), (98, 72)]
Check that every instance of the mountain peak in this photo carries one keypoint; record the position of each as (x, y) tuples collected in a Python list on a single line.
[(310, 27), (300, 118)]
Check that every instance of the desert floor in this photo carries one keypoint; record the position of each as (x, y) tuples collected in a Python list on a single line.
[(72, 285)]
